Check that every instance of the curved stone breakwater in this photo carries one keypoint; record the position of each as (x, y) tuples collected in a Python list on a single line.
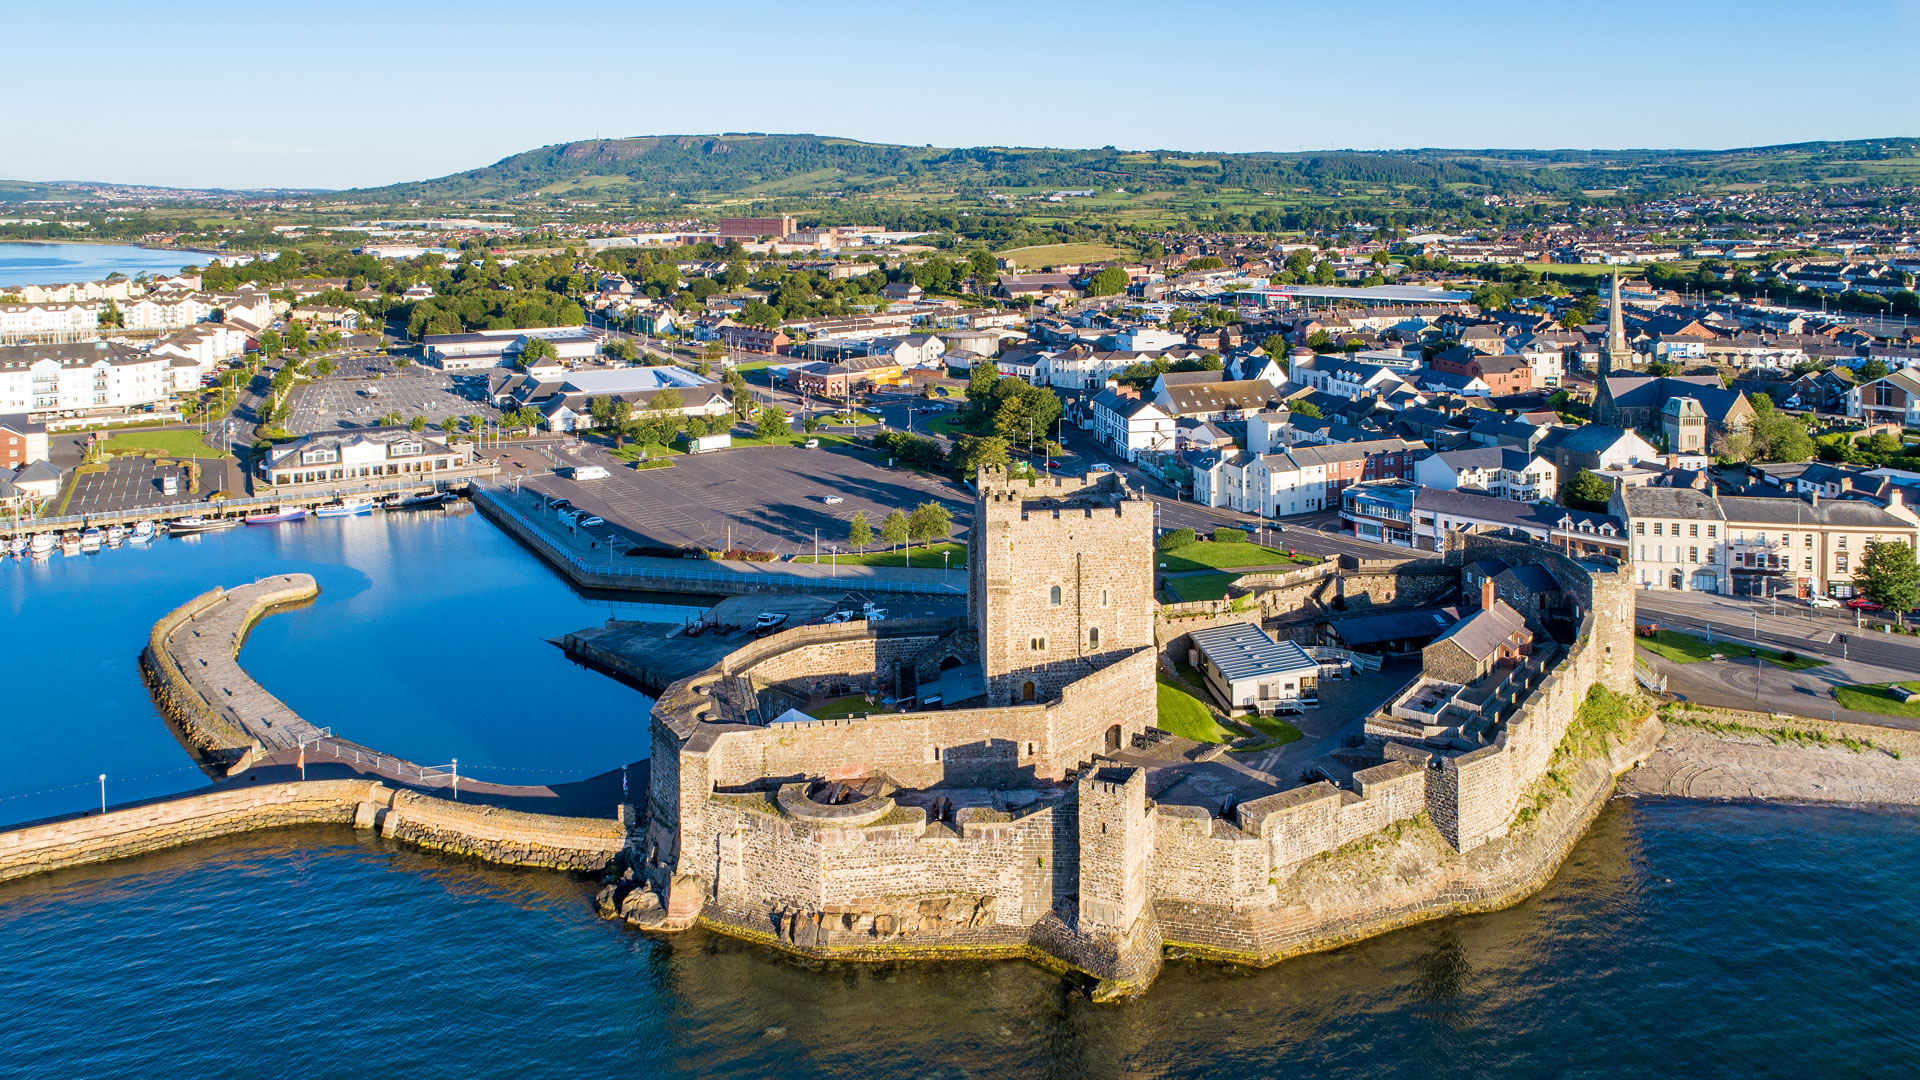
[(486, 832), (229, 721), (191, 665)]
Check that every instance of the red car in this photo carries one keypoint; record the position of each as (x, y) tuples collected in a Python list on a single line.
[(1861, 603)]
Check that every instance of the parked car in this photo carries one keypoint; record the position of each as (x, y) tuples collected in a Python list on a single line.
[(1861, 603), (832, 500), (1820, 601), (812, 444), (1099, 466), (588, 523)]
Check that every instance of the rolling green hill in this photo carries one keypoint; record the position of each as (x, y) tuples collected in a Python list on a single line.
[(775, 167)]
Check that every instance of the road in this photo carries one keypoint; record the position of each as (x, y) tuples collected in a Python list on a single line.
[(1796, 627)]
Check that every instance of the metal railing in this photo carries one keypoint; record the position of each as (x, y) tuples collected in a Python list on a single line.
[(731, 577), (224, 506), (322, 742)]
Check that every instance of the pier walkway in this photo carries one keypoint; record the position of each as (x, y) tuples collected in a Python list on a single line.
[(228, 508)]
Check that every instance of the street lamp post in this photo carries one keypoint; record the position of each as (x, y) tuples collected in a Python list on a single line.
[(103, 793)]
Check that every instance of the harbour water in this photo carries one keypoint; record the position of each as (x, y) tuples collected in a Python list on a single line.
[(1680, 939), (36, 262), (428, 640)]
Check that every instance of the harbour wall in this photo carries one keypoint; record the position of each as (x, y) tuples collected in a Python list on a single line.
[(1713, 753), (485, 832), (191, 666)]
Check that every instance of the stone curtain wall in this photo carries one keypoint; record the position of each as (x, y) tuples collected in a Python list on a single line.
[(484, 832)]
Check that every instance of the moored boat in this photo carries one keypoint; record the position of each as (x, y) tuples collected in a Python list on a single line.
[(69, 543), (18, 545), (92, 538), (142, 532), (42, 544), (188, 526), (345, 508), (284, 513), (116, 534), (421, 502)]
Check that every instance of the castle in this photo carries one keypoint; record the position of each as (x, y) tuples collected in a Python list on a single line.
[(1003, 812)]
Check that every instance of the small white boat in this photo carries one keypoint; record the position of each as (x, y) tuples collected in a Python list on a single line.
[(92, 538), (42, 544), (142, 532), (188, 526), (18, 545), (345, 508), (116, 535), (69, 543)]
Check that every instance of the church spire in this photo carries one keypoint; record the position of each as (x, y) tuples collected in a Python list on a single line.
[(1618, 351)]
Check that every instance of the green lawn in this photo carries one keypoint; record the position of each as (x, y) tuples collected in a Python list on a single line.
[(1201, 586), (1877, 698), (1207, 554), (635, 451), (1277, 731), (174, 442), (1684, 648), (839, 708), (796, 439), (1027, 258), (947, 424), (1182, 714), (919, 558)]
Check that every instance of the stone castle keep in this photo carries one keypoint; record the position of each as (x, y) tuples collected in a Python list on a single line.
[(1002, 812)]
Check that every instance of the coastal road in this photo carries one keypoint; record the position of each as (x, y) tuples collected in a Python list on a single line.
[(1813, 632)]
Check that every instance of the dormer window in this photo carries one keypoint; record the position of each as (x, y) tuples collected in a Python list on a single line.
[(406, 449)]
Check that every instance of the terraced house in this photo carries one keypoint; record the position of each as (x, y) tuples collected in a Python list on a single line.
[(1687, 540)]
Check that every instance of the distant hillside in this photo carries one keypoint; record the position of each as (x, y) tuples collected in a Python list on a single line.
[(777, 167)]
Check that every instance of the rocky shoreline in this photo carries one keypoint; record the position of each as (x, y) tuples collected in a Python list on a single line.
[(1728, 754)]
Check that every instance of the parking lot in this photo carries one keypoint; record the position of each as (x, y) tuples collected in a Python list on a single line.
[(339, 401), (772, 498), (131, 482)]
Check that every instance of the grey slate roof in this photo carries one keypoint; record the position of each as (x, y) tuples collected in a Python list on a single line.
[(1480, 633)]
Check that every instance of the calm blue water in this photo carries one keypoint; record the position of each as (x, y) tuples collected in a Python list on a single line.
[(429, 640), (32, 262), (1682, 940)]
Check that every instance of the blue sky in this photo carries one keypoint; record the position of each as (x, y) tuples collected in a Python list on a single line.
[(355, 93)]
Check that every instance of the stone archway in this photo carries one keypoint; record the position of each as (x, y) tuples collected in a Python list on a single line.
[(1027, 691), (1113, 738)]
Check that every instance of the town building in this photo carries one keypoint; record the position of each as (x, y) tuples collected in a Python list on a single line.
[(500, 348), (22, 441), (1128, 424), (1690, 540), (1411, 516), (364, 457), (1249, 672), (84, 379)]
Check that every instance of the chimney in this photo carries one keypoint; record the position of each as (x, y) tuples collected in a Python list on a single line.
[(1486, 594)]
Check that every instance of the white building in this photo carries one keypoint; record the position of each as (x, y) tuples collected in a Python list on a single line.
[(194, 353), (498, 348), (1148, 339), (19, 321), (85, 379), (1128, 425), (1507, 471)]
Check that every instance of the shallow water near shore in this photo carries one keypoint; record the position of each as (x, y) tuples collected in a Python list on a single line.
[(428, 640), (41, 262), (1681, 939)]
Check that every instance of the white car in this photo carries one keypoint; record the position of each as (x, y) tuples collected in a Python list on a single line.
[(1818, 600), (832, 500)]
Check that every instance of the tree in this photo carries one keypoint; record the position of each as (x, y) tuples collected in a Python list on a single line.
[(1024, 412), (859, 531), (1874, 368), (1109, 282), (971, 453), (771, 423), (536, 350), (1304, 408), (620, 418), (323, 367), (929, 521), (894, 529), (1276, 347), (1175, 539), (417, 424), (1585, 491), (1888, 576)]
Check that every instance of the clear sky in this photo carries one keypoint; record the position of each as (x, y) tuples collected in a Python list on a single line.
[(360, 93)]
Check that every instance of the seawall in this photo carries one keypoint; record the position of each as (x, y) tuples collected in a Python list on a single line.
[(485, 832), (1407, 874)]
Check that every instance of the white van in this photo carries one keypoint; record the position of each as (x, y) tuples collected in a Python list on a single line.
[(585, 472)]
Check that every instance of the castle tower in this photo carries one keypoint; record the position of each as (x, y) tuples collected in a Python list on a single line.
[(1116, 840), (1060, 572)]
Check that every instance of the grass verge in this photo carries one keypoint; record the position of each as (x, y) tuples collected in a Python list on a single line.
[(174, 442), (1276, 732), (1687, 649), (842, 707), (919, 558), (1877, 698)]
